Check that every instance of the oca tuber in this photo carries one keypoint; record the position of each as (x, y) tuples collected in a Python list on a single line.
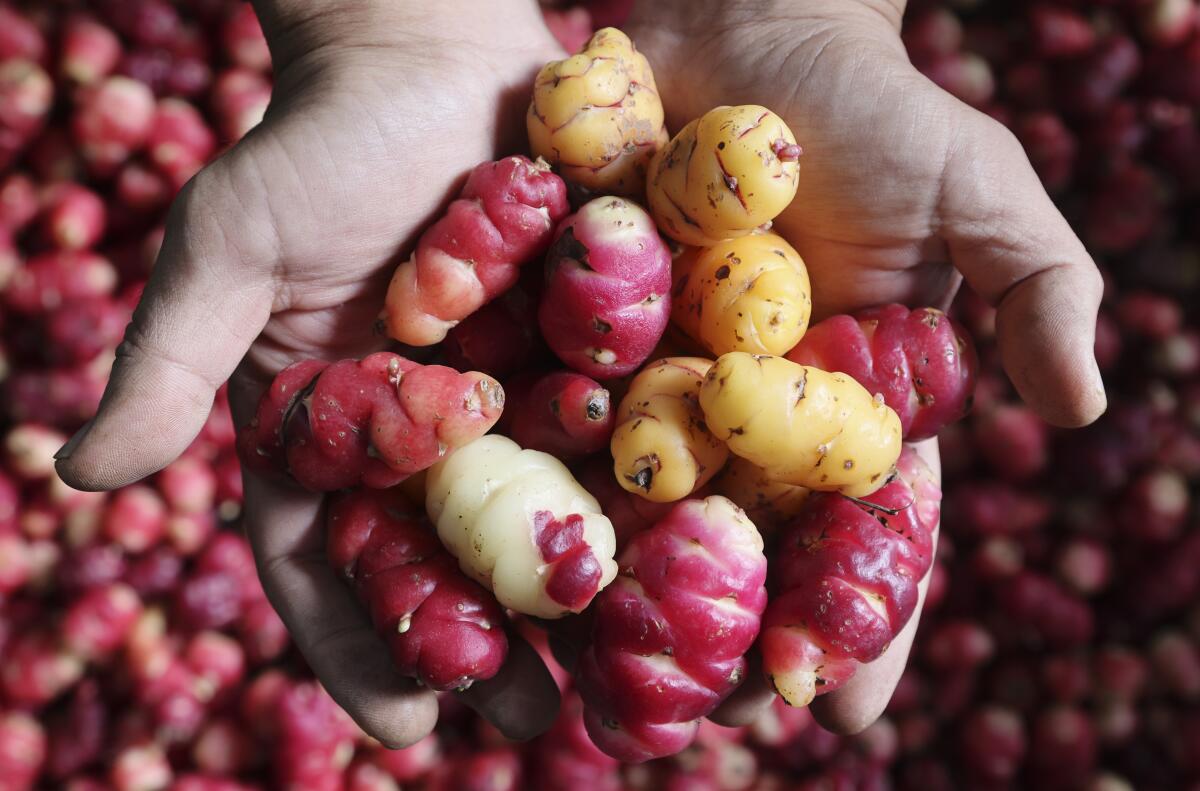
[(923, 363), (503, 218), (597, 115), (373, 421), (749, 294), (802, 425), (670, 634), (521, 526), (844, 581), (442, 628), (726, 173), (662, 449), (608, 282)]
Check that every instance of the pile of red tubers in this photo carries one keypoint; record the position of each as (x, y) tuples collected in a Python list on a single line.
[(1060, 643)]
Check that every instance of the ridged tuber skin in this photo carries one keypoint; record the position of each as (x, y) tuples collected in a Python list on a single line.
[(370, 422), (442, 628), (730, 171), (563, 413), (844, 581), (749, 294), (504, 217), (597, 115), (769, 504), (922, 362), (802, 425), (608, 281), (670, 634), (662, 448), (521, 526)]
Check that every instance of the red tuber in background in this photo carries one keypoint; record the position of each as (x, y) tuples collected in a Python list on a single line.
[(1060, 648)]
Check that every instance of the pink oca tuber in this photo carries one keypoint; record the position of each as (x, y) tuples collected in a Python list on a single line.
[(503, 218), (442, 628), (922, 362), (845, 578), (671, 633), (373, 421), (562, 413), (608, 282)]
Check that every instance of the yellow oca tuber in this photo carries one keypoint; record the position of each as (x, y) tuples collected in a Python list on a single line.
[(661, 448), (726, 173), (749, 294), (597, 117), (802, 425)]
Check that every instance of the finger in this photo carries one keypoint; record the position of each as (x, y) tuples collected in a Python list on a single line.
[(1016, 250), (207, 299), (286, 531), (862, 699), (522, 699), (748, 701)]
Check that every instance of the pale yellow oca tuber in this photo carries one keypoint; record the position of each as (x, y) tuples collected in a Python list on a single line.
[(521, 525), (597, 117), (730, 171), (749, 294), (800, 424), (661, 448)]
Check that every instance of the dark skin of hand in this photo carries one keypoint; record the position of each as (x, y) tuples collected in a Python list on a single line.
[(282, 249)]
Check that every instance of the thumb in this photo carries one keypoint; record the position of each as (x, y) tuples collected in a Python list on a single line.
[(1017, 251), (207, 299)]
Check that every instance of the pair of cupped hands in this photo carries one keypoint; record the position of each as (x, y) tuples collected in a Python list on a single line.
[(282, 250)]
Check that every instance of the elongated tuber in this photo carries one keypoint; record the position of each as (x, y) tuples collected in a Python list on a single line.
[(503, 218), (597, 116), (802, 425), (844, 581), (923, 363), (442, 628), (373, 421), (608, 281), (561, 413), (726, 173), (662, 449), (521, 526), (671, 633), (749, 294)]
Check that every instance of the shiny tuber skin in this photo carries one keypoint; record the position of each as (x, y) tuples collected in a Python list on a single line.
[(723, 175), (520, 525), (802, 425), (442, 628), (608, 281), (670, 635), (922, 362), (662, 448), (597, 115), (563, 413), (845, 576), (503, 218), (372, 422)]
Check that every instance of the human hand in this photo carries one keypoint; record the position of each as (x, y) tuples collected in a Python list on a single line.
[(904, 191), (282, 250)]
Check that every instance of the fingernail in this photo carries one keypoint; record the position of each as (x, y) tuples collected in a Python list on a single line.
[(66, 450)]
